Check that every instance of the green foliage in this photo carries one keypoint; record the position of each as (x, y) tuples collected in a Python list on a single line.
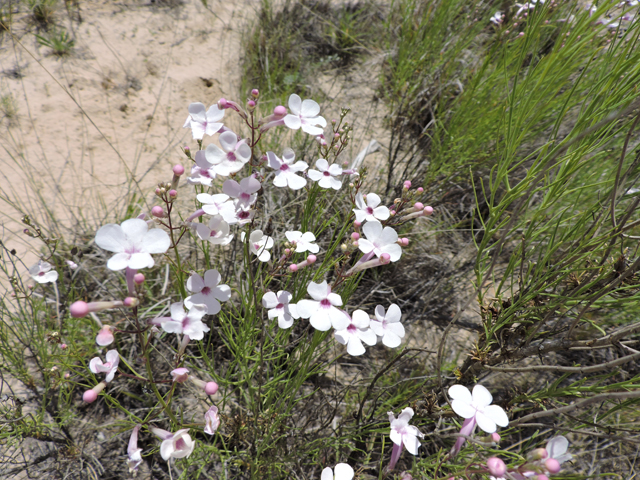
[(58, 40)]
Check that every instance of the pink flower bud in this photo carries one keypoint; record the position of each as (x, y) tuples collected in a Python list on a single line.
[(173, 193), (157, 211), (180, 375), (287, 251), (178, 170), (418, 206), (428, 211), (311, 259), (130, 302), (495, 437), (211, 388), (72, 265), (222, 104), (355, 236), (521, 34), (404, 242), (79, 309), (357, 224), (138, 278), (538, 454), (420, 190), (541, 477), (89, 396), (186, 149), (552, 465), (105, 336), (385, 258), (280, 111), (293, 267), (67, 375), (407, 185), (255, 93), (497, 468), (63, 346), (251, 104), (158, 191)]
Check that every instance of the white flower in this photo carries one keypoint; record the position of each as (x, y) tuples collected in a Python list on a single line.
[(388, 326), (259, 244), (497, 18), (211, 420), (244, 192), (207, 291), (326, 175), (202, 122), (321, 311), (557, 449), (174, 445), (303, 241), (110, 367), (202, 173), (241, 217), (304, 114), (380, 241), (368, 209), (286, 170), (133, 452), (403, 433), (215, 232), (280, 308), (133, 243), (530, 5), (186, 323), (232, 157), (41, 272), (217, 204), (343, 472), (478, 406), (357, 331)]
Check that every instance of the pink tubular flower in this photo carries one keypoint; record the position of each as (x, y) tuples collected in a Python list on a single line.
[(280, 308), (42, 272), (321, 311), (343, 472), (133, 243), (203, 122), (134, 453), (403, 434), (326, 175), (232, 157), (211, 420), (304, 114), (244, 192), (369, 208), (303, 241), (179, 375), (387, 325), (380, 241), (215, 232), (286, 170), (105, 336), (110, 367), (207, 291), (174, 445), (357, 332), (186, 323)]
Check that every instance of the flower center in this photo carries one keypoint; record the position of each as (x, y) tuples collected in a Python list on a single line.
[(180, 444), (351, 328), (279, 306), (231, 157), (213, 233), (370, 210), (325, 303), (205, 173), (326, 174), (41, 274), (284, 167), (243, 215), (245, 196), (205, 291)]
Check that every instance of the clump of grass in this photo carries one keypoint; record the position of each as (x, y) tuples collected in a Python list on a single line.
[(42, 12), (8, 106), (58, 40)]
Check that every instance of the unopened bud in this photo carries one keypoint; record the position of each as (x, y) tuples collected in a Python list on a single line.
[(355, 235), (495, 437), (357, 224), (280, 111), (538, 454), (91, 395), (251, 104), (211, 388), (385, 258), (222, 104), (63, 346), (552, 465), (173, 193), (407, 185), (420, 190), (344, 247), (418, 206), (178, 170), (428, 211), (138, 278), (158, 212), (496, 467), (131, 302), (255, 93), (293, 268)]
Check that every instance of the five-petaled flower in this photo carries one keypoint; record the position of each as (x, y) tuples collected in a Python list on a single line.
[(244, 192), (478, 405), (211, 420), (304, 114), (280, 308), (42, 272), (326, 175), (232, 157), (202, 173), (134, 453), (186, 323), (110, 367), (259, 244), (215, 232), (344, 471), (133, 243), (387, 325), (286, 170), (380, 241), (369, 208), (207, 291), (357, 332), (403, 434), (203, 122), (303, 241), (174, 445), (321, 311)]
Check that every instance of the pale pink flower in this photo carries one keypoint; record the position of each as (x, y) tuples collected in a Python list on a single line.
[(203, 122), (387, 325), (105, 336), (557, 454), (202, 173), (133, 243), (232, 157), (357, 331), (217, 204), (179, 375), (134, 453), (42, 272), (321, 311), (259, 244), (369, 208), (244, 192), (280, 308), (215, 232), (497, 18), (207, 291), (211, 420), (174, 445), (403, 434), (241, 216), (304, 114), (326, 175), (478, 406), (186, 323), (286, 170), (110, 367), (343, 472), (380, 241), (303, 241)]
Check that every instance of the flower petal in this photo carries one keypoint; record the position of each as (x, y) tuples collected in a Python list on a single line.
[(481, 396), (228, 141), (461, 393), (111, 238), (293, 122), (497, 415), (485, 423), (156, 241)]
